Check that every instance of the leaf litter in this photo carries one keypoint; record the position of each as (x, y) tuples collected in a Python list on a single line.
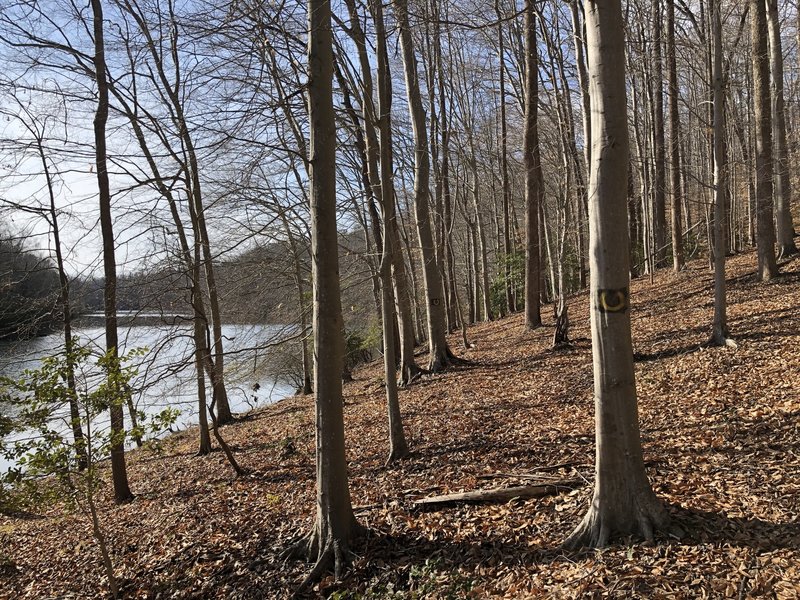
[(721, 436)]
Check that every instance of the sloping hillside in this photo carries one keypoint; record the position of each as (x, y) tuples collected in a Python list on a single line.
[(721, 433)]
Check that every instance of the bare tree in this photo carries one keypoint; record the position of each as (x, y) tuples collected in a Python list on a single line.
[(335, 527), (765, 235), (533, 173), (783, 190), (719, 335), (674, 141), (623, 501), (122, 492), (440, 355)]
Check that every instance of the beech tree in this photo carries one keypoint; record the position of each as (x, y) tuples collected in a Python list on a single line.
[(533, 172), (783, 190), (762, 114), (335, 526), (440, 355), (623, 502), (719, 335), (674, 141)]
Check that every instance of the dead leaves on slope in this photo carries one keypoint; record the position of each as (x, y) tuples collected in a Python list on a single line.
[(720, 428)]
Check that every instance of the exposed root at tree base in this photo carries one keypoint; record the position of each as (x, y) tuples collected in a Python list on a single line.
[(446, 359), (722, 341), (409, 373), (595, 531), (397, 454), (328, 555)]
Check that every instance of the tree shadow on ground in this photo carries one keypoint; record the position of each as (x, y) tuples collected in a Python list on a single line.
[(705, 527), (415, 564)]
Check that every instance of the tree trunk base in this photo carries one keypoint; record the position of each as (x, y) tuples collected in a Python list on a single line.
[(328, 554), (600, 526), (409, 373), (397, 453), (445, 359), (787, 251), (722, 340)]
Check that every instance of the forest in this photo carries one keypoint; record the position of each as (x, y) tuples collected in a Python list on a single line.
[(414, 299)]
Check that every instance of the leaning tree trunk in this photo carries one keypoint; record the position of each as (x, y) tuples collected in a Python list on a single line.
[(119, 473), (201, 352), (765, 230), (579, 37), (335, 526), (440, 355), (398, 448), (783, 190), (623, 502), (533, 173)]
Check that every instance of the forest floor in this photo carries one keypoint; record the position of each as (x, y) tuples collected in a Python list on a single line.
[(721, 435)]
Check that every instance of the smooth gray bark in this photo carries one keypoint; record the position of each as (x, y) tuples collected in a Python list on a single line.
[(439, 354), (623, 501), (720, 326), (783, 189), (765, 230), (335, 526)]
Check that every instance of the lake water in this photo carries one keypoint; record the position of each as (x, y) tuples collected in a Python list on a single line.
[(167, 378)]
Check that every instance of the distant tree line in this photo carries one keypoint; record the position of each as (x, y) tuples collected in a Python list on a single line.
[(28, 291)]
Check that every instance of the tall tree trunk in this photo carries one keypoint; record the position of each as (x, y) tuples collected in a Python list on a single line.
[(623, 502), (122, 492), (64, 299), (674, 142), (765, 234), (440, 355), (171, 88), (200, 318), (306, 387), (579, 37), (398, 448), (507, 247), (659, 197), (482, 248), (201, 351), (783, 190), (335, 526), (409, 370), (533, 173), (720, 327)]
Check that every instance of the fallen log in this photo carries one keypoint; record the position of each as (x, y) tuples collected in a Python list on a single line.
[(501, 494)]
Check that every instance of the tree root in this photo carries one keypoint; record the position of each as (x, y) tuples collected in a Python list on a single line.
[(787, 252), (722, 342), (397, 454), (409, 373), (597, 530), (330, 554), (446, 359)]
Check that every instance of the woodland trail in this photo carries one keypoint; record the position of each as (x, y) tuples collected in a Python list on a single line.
[(721, 437)]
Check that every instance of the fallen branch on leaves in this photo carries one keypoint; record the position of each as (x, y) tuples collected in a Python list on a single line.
[(501, 494)]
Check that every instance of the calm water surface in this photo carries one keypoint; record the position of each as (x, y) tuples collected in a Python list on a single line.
[(166, 375)]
